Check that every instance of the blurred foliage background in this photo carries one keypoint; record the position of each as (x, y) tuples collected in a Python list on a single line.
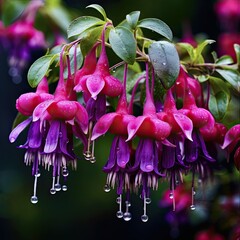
[(85, 211)]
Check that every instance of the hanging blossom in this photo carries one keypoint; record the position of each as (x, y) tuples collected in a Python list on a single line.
[(172, 155), (231, 143), (50, 136), (96, 83), (118, 166), (22, 39), (196, 156), (152, 132)]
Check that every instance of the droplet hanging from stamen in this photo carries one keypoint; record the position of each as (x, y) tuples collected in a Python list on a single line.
[(64, 188), (65, 172), (34, 198), (57, 186), (127, 216), (119, 213), (53, 190), (144, 217), (107, 188), (171, 196), (88, 154), (192, 207)]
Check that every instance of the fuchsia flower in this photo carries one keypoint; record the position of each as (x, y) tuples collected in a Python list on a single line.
[(231, 140), (119, 163), (50, 137), (23, 39)]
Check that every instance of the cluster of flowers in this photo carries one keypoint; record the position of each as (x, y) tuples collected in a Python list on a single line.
[(171, 140)]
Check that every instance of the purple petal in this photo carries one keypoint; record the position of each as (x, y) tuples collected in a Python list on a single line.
[(18, 129), (112, 156), (168, 156), (191, 149), (34, 135), (52, 137), (123, 152), (103, 124), (185, 123)]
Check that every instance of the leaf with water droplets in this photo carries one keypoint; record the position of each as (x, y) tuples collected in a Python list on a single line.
[(165, 61), (123, 43)]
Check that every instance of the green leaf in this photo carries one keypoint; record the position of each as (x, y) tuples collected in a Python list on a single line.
[(237, 50), (201, 46), (123, 44), (99, 9), (189, 48), (81, 24), (90, 38), (231, 76), (224, 60), (39, 69), (165, 60), (157, 26), (219, 97), (132, 19)]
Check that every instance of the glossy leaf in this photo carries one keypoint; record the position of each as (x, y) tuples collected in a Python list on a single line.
[(231, 76), (219, 98), (99, 9), (157, 26), (81, 24), (165, 61), (90, 38), (123, 44), (224, 60), (132, 19), (39, 69)]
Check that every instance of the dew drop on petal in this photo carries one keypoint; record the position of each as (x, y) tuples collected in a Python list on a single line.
[(12, 139), (144, 218), (34, 199)]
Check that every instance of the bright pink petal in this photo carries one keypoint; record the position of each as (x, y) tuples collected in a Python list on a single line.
[(95, 84), (162, 129), (232, 135), (185, 123), (134, 125), (103, 124), (40, 109), (82, 117)]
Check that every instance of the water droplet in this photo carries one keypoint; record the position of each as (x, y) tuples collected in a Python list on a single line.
[(37, 174), (114, 70), (52, 190), (119, 214), (171, 195), (127, 216), (64, 188), (12, 139), (148, 200), (164, 64), (65, 172), (144, 218), (60, 134), (34, 199), (92, 160), (57, 186), (118, 200), (193, 193), (192, 207), (107, 188), (128, 204)]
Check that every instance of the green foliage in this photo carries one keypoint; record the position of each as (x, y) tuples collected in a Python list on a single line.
[(165, 61)]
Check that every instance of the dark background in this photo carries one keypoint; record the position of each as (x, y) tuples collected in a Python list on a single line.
[(85, 211)]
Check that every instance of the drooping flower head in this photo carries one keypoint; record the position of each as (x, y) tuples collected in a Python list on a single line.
[(96, 86), (23, 39), (151, 132), (119, 161)]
